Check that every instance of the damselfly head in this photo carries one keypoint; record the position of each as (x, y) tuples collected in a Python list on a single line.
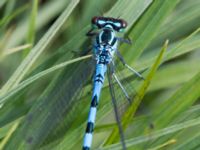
[(107, 22)]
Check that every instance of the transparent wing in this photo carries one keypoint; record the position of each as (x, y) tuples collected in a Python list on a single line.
[(114, 102), (130, 84), (129, 81), (53, 114)]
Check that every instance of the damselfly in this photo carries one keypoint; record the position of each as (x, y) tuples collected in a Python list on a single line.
[(55, 116), (105, 47)]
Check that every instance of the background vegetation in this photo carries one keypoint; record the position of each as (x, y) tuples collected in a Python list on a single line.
[(42, 74)]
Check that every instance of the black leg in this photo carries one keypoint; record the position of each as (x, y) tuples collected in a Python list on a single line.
[(127, 41), (91, 33)]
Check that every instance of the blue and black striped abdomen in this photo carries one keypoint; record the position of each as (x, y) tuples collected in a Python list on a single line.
[(98, 83)]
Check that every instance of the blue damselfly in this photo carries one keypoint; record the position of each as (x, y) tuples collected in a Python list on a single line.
[(55, 112), (105, 47)]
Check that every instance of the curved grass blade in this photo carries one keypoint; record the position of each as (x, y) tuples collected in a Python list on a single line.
[(10, 111), (132, 109), (25, 66), (30, 80)]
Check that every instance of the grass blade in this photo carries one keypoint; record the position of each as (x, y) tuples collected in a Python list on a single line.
[(32, 26), (32, 79), (156, 134), (26, 65), (147, 27), (132, 109)]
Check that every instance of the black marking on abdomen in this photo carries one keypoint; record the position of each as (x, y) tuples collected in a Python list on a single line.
[(99, 76), (90, 127), (86, 148), (94, 102), (98, 80)]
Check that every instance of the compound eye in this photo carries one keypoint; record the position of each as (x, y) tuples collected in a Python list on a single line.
[(95, 20)]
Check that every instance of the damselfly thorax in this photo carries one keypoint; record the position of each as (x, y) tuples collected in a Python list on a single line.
[(105, 45)]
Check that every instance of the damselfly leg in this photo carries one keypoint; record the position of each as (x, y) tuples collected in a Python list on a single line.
[(118, 81), (91, 32), (127, 41), (127, 66)]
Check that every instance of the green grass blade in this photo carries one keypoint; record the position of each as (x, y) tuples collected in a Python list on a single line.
[(2, 2), (48, 12), (156, 134), (10, 5), (178, 102), (147, 27), (181, 22), (41, 74), (177, 73), (26, 65), (32, 26), (190, 143), (138, 98), (5, 140), (184, 46), (7, 19), (132, 10)]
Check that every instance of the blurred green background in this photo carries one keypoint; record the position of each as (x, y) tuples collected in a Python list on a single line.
[(41, 47)]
